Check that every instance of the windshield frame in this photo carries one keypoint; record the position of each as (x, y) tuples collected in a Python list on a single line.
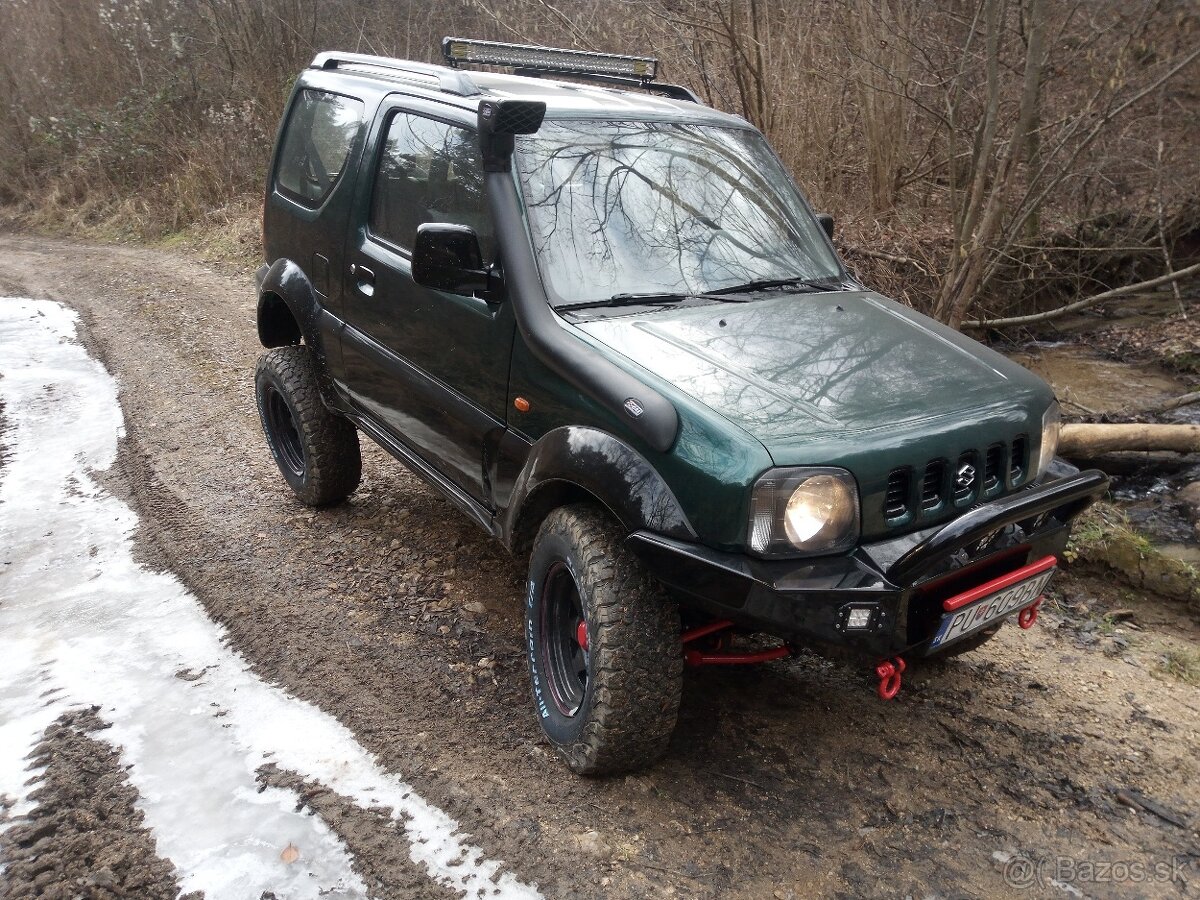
[(557, 301)]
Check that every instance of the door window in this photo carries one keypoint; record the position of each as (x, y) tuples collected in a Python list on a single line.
[(320, 131), (429, 172)]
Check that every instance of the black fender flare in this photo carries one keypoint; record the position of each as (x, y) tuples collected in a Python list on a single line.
[(571, 458), (285, 280)]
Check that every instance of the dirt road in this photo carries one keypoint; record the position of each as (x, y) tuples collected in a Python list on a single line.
[(1013, 770)]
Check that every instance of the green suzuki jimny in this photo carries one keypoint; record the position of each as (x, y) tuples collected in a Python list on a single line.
[(600, 318)]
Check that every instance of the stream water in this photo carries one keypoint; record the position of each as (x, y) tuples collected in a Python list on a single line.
[(1149, 488)]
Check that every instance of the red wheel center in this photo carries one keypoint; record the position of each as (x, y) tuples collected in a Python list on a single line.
[(581, 634)]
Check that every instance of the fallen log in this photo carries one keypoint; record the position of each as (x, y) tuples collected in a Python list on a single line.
[(1089, 441)]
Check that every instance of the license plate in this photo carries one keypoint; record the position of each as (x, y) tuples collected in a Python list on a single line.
[(988, 603)]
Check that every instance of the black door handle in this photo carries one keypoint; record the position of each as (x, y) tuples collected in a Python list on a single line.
[(364, 278)]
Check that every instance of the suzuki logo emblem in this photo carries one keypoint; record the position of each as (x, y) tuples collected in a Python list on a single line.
[(965, 477)]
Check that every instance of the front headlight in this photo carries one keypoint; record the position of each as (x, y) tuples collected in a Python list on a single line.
[(1051, 426), (803, 512)]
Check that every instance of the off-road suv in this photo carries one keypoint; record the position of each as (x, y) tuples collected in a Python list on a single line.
[(600, 318)]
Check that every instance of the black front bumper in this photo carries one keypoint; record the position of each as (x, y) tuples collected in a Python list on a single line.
[(902, 581)]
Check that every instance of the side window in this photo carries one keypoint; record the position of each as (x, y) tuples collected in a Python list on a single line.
[(429, 172), (319, 133)]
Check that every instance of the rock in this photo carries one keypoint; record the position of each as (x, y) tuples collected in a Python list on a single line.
[(593, 843), (1190, 495), (103, 878)]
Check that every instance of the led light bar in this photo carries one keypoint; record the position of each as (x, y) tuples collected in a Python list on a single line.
[(547, 59)]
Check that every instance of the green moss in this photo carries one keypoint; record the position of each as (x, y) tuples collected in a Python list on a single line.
[(172, 241), (1102, 536), (1183, 362)]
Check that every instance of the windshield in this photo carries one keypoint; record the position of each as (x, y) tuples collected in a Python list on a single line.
[(640, 207)]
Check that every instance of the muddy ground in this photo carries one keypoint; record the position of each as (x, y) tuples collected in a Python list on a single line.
[(394, 614)]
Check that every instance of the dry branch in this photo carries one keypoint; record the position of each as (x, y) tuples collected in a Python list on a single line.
[(1090, 441), (1087, 301), (1175, 403), (889, 257)]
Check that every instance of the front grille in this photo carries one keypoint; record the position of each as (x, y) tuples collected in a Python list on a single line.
[(993, 467), (966, 479), (973, 476), (1017, 462), (931, 485), (895, 501)]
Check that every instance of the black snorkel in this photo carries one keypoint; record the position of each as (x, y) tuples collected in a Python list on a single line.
[(646, 412)]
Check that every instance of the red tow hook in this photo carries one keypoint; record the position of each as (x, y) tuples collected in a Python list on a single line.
[(1028, 616), (889, 672)]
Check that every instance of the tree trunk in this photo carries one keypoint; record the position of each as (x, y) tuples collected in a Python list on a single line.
[(1088, 441)]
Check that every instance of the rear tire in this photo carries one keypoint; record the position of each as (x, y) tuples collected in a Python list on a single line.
[(603, 645), (316, 450)]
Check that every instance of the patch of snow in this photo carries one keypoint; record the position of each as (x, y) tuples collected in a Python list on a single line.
[(81, 619)]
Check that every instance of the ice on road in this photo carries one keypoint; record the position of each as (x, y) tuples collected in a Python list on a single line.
[(83, 624)]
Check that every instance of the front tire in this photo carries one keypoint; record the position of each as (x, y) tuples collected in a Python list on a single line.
[(603, 646), (316, 450)]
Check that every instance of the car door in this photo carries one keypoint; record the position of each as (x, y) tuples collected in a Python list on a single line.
[(430, 367)]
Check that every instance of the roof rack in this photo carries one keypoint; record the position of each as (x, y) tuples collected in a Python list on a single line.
[(449, 81), (674, 91), (533, 62)]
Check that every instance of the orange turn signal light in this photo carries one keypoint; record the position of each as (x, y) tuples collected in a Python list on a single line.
[(521, 404)]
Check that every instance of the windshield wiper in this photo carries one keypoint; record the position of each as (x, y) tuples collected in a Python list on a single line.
[(628, 299), (766, 284)]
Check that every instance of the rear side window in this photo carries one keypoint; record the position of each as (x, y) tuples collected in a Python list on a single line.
[(319, 133), (429, 172)]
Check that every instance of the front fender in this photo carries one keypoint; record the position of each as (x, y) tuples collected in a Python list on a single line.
[(570, 458)]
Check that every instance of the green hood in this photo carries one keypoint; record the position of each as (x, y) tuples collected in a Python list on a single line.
[(845, 378)]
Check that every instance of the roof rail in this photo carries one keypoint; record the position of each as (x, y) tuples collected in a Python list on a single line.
[(449, 81)]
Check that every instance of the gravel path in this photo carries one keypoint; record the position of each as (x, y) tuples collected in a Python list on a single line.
[(394, 615)]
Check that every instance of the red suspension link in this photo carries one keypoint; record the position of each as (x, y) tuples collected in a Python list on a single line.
[(695, 657)]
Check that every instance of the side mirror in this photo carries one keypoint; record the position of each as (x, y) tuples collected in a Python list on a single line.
[(447, 258), (826, 222)]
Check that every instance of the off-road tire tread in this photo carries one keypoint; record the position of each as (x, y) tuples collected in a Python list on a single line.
[(637, 661), (333, 459)]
